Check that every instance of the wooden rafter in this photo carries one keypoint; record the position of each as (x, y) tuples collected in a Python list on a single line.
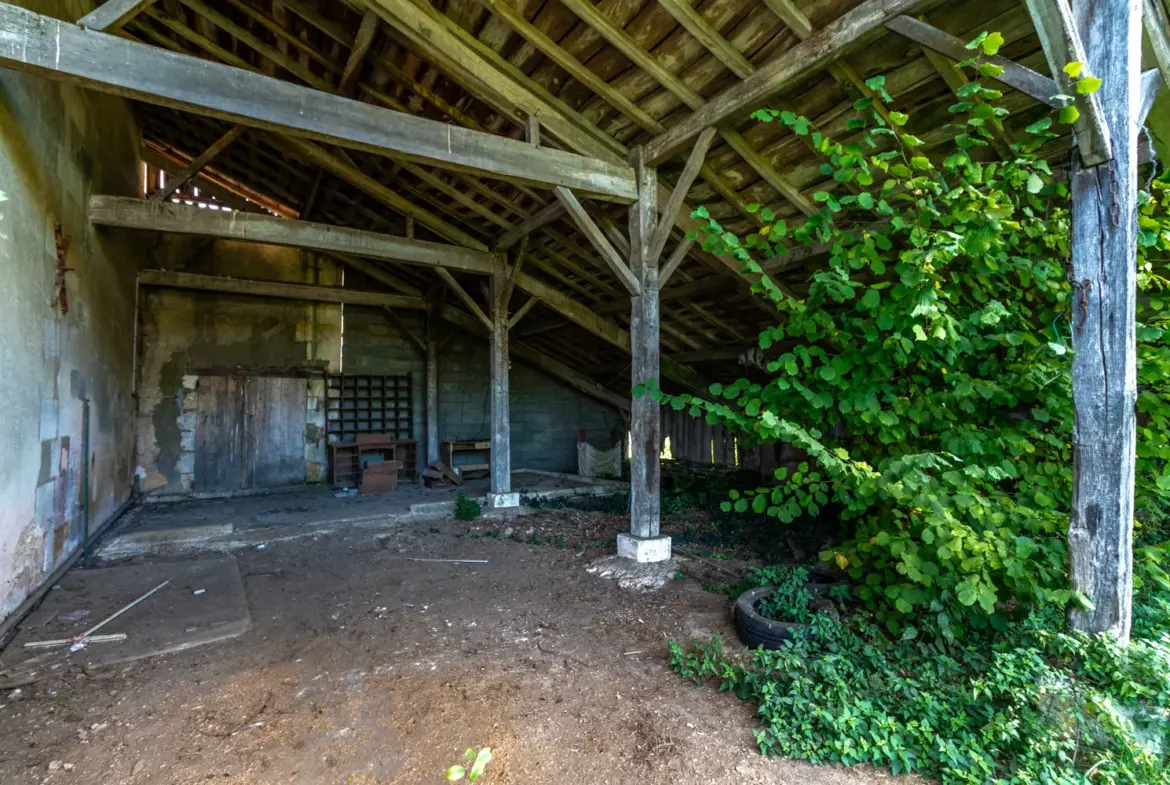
[(112, 15), (196, 166), (810, 55)]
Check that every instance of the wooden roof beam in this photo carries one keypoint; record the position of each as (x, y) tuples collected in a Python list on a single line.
[(255, 228), (38, 44)]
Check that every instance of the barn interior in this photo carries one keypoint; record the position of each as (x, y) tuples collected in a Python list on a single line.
[(428, 247)]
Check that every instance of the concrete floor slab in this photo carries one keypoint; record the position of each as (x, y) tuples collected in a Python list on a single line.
[(223, 525), (204, 603)]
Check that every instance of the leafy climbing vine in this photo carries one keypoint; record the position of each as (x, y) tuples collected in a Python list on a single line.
[(925, 372)]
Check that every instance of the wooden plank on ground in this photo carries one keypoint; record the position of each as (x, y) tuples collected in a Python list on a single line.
[(447, 472)]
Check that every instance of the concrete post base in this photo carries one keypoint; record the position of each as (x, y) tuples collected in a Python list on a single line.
[(643, 550), (502, 501)]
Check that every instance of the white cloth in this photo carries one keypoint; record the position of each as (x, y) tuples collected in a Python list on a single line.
[(592, 462)]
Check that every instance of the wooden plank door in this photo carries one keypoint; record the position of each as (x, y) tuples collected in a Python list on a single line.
[(219, 434), (275, 417)]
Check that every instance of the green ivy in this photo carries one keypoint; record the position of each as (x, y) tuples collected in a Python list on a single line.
[(1034, 707), (926, 371)]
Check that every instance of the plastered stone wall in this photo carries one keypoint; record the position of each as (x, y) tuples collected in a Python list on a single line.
[(183, 334), (59, 145)]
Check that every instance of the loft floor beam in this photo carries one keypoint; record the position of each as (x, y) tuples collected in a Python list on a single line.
[(49, 47), (278, 289), (256, 228)]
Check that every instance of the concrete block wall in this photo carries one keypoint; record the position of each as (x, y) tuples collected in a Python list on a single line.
[(59, 145), (374, 346), (546, 414)]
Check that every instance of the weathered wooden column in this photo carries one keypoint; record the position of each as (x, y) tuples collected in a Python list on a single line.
[(643, 543), (432, 380), (501, 494), (1104, 370)]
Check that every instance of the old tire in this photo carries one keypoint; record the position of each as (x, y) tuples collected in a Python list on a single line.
[(754, 629)]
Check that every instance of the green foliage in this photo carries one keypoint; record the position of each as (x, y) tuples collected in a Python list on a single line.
[(466, 509), (926, 372), (1031, 707), (790, 598)]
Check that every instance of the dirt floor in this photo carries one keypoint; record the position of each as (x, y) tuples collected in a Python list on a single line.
[(365, 667)]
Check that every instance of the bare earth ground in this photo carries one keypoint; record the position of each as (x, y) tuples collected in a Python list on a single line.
[(363, 667)]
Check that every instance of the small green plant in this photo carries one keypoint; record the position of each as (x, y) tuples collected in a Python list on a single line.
[(479, 763), (466, 509)]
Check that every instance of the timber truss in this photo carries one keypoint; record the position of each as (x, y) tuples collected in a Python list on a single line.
[(556, 149)]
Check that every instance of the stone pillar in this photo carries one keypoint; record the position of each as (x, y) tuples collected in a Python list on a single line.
[(643, 543)]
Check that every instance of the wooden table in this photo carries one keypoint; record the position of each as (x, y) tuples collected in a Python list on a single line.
[(450, 448)]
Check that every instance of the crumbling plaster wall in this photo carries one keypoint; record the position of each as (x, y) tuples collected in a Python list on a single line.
[(546, 414), (58, 145), (185, 333)]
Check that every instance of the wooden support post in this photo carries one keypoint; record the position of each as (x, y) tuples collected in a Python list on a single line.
[(501, 488), (434, 311), (1104, 367), (643, 544), (1063, 41)]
